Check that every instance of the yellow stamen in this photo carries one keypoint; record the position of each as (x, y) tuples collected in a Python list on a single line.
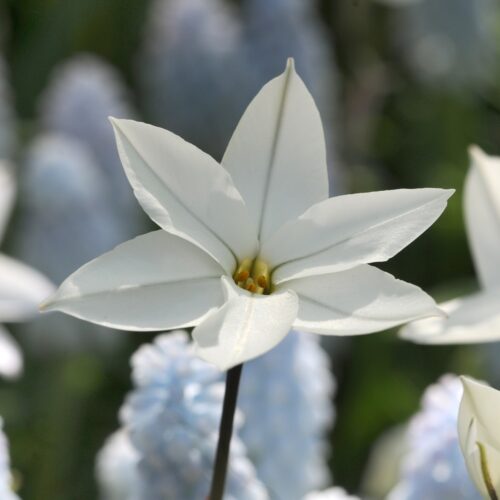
[(262, 281), (242, 276), (254, 276)]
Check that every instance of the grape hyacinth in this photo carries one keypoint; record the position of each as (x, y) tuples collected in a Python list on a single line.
[(172, 418), (286, 397), (92, 90), (434, 466), (189, 44), (62, 202), (117, 468), (283, 413)]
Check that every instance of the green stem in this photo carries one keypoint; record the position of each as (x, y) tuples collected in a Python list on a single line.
[(225, 433)]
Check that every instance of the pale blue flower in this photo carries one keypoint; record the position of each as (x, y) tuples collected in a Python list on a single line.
[(171, 423), (80, 97), (117, 468), (172, 417), (204, 60), (286, 398), (64, 219), (194, 80), (6, 492), (434, 467)]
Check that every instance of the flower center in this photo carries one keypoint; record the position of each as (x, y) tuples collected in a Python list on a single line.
[(253, 275)]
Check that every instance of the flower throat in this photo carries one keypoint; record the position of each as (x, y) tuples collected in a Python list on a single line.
[(253, 275)]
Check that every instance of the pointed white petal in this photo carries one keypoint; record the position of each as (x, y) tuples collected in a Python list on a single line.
[(156, 281), (478, 433), (357, 301), (277, 156), (344, 231), (245, 327), (11, 359), (482, 215), (7, 194), (481, 402), (21, 290), (185, 191), (469, 320)]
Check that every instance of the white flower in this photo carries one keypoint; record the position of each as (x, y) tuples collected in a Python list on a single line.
[(262, 226), (433, 466), (6, 492), (21, 287), (479, 435), (475, 318)]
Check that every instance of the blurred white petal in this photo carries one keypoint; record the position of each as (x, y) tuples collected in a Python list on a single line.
[(21, 290), (482, 215), (7, 195), (470, 320), (11, 358)]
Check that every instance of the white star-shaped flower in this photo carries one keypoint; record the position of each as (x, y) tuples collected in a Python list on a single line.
[(253, 246), (475, 318), (21, 287)]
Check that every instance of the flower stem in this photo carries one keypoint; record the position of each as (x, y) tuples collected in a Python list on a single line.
[(225, 433)]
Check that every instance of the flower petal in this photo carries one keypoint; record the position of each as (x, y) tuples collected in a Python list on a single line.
[(478, 435), (21, 290), (156, 281), (277, 155), (482, 215), (472, 319), (245, 327), (7, 195), (11, 359), (481, 403), (345, 231), (357, 301), (185, 191)]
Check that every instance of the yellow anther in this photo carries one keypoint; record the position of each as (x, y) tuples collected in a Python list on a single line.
[(242, 276), (262, 281), (243, 271), (253, 275)]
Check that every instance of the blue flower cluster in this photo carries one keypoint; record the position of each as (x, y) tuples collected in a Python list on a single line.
[(171, 419), (286, 399), (434, 467), (212, 58)]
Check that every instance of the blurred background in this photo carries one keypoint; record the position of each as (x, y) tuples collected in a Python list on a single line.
[(403, 87)]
